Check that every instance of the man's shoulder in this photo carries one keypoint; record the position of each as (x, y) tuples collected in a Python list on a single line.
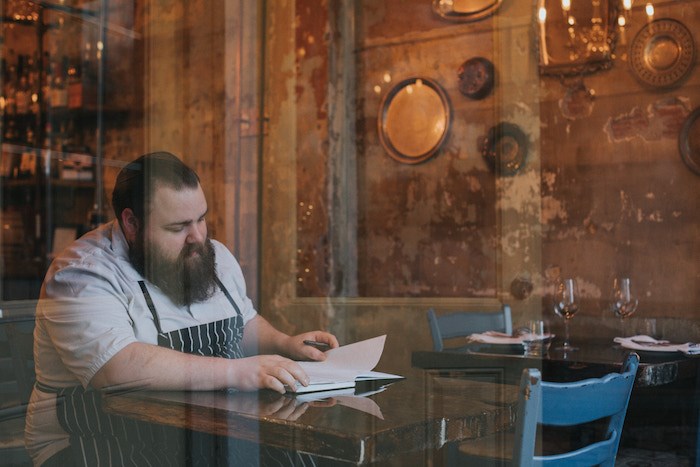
[(93, 251), (223, 254)]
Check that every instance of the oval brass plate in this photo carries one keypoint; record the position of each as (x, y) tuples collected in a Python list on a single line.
[(662, 53), (465, 10), (505, 148), (414, 119), (689, 141)]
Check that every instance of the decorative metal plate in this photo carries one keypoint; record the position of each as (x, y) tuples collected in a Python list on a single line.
[(689, 141), (476, 77), (465, 10), (414, 119), (662, 53), (505, 148)]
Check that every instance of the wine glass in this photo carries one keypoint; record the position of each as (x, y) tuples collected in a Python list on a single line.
[(623, 304), (566, 305)]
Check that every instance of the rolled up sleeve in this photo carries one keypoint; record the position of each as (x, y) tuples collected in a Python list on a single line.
[(86, 320)]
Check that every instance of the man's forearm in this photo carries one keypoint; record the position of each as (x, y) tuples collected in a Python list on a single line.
[(260, 337), (153, 367)]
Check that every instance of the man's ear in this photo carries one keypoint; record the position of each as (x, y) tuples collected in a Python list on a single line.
[(130, 224)]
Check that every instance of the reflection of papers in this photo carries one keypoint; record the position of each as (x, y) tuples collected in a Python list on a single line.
[(347, 397), (343, 365)]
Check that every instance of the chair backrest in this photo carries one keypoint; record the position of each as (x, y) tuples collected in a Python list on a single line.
[(569, 404), (16, 382), (16, 360), (463, 323)]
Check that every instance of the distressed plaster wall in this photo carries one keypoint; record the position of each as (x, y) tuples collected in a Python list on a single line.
[(586, 204), (617, 197)]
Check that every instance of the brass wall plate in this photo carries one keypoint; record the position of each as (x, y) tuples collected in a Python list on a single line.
[(505, 148), (414, 120), (476, 77), (689, 141), (662, 53), (465, 10)]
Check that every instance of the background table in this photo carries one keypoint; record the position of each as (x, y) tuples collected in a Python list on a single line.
[(595, 357)]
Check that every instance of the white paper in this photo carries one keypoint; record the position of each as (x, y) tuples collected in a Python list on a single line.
[(342, 366), (347, 362)]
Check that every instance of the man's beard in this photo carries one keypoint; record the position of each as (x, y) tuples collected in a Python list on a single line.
[(186, 280)]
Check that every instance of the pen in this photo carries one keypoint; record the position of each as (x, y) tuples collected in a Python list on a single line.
[(319, 345)]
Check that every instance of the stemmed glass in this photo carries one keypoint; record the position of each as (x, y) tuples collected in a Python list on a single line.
[(566, 305), (623, 304)]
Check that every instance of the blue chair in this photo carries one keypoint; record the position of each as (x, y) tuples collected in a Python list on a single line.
[(16, 381), (561, 405), (464, 323)]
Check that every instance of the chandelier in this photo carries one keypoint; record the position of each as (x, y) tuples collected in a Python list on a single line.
[(579, 36)]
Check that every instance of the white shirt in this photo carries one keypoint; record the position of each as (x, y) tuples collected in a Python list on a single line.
[(91, 307)]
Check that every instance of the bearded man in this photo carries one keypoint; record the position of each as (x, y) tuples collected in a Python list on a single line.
[(148, 301)]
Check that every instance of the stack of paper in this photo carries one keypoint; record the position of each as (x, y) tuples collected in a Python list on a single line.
[(344, 365)]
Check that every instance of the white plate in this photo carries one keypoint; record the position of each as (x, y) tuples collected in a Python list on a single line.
[(648, 344)]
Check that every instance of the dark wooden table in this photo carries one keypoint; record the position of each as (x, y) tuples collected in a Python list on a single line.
[(415, 415), (595, 357)]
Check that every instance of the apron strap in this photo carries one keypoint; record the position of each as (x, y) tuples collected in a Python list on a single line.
[(151, 306), (228, 296)]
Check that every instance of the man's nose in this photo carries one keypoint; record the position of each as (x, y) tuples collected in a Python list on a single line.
[(196, 233)]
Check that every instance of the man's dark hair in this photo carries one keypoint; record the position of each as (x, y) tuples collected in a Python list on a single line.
[(136, 182)]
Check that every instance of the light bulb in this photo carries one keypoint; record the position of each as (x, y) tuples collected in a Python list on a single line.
[(650, 10)]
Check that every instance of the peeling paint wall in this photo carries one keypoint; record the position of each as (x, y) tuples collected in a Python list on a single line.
[(610, 188), (603, 191)]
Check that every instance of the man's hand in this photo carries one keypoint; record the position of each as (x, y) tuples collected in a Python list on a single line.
[(267, 371), (295, 348)]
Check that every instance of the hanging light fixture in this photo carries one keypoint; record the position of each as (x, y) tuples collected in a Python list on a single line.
[(577, 36)]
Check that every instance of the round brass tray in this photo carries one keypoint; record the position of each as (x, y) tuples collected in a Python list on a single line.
[(465, 10), (689, 141), (476, 77), (662, 53), (414, 119), (505, 148)]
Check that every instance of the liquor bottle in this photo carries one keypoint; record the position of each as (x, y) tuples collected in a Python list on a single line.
[(9, 90), (46, 85), (59, 92), (34, 84), (95, 217), (23, 96), (75, 86)]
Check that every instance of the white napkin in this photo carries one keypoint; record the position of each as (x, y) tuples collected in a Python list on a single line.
[(494, 337), (648, 343)]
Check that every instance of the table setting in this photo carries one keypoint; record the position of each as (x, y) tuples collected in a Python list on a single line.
[(646, 343), (533, 339)]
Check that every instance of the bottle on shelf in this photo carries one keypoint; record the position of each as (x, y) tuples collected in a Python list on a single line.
[(22, 91), (59, 91), (75, 86), (95, 217), (34, 84)]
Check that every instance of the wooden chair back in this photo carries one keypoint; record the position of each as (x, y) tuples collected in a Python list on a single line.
[(569, 404), (464, 323)]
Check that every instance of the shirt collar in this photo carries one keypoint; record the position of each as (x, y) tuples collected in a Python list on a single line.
[(120, 247)]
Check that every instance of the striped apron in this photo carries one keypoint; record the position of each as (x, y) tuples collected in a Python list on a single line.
[(98, 438)]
